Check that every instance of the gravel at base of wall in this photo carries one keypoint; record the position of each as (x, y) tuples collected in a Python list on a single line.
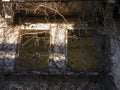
[(49, 83)]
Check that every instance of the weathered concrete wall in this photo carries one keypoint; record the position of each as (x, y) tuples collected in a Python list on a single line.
[(8, 42), (9, 39), (59, 45), (115, 57), (58, 58)]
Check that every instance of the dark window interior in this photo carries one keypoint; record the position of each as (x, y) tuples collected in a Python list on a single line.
[(34, 50), (82, 51)]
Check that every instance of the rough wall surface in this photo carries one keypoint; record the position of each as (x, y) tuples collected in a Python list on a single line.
[(8, 42), (115, 50), (59, 45)]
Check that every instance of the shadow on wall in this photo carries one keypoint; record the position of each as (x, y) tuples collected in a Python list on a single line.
[(56, 51), (11, 60), (7, 57), (58, 57), (42, 50)]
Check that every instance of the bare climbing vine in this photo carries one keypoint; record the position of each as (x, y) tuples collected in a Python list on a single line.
[(90, 14)]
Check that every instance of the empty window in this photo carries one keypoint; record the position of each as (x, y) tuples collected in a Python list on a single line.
[(82, 50), (34, 50)]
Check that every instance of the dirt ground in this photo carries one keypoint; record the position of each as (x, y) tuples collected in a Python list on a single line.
[(49, 83)]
